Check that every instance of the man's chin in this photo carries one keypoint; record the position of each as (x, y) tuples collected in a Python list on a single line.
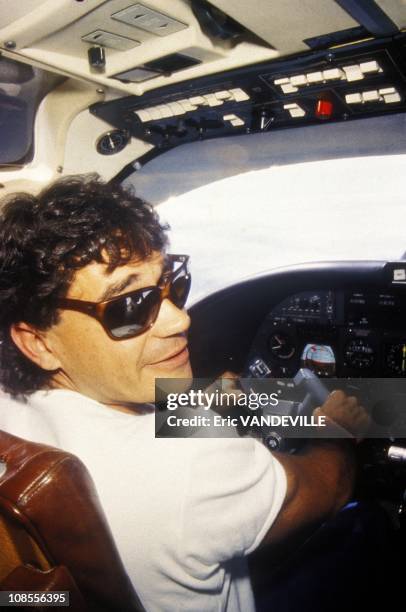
[(181, 371), (181, 377)]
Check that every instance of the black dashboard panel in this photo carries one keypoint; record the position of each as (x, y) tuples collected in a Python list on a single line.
[(355, 308), (335, 304), (341, 333)]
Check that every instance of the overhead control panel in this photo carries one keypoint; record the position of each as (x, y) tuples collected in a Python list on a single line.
[(341, 84)]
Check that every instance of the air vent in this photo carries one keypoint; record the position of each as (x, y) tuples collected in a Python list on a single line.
[(108, 39), (142, 17)]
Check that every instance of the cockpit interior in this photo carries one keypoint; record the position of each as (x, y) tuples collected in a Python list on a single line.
[(271, 136)]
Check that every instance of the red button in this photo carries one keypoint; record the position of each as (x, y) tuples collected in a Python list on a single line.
[(324, 109)]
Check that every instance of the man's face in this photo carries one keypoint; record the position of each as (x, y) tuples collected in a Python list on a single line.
[(118, 371)]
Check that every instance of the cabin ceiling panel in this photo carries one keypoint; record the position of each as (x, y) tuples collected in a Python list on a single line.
[(54, 36), (58, 35), (285, 25), (396, 10)]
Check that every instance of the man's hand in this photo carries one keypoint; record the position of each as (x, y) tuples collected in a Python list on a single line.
[(346, 412), (227, 382)]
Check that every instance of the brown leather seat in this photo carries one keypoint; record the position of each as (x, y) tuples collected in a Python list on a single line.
[(53, 532)]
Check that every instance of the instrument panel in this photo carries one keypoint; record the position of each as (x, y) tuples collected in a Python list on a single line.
[(340, 333)]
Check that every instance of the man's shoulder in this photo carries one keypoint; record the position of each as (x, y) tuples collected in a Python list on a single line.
[(18, 418), (10, 406)]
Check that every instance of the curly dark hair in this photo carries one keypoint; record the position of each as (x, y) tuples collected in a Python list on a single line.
[(44, 240)]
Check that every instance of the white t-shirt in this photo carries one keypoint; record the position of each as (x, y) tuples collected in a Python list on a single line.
[(183, 512)]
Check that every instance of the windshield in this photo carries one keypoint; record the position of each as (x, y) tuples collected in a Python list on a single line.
[(243, 205)]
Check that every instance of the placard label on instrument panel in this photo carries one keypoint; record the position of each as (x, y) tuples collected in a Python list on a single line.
[(374, 309), (395, 273), (399, 275)]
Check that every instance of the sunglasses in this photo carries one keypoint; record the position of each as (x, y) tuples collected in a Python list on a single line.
[(131, 314)]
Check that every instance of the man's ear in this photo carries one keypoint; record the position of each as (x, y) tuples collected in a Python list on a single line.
[(32, 343)]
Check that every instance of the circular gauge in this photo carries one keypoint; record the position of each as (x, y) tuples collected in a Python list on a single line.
[(315, 303), (112, 142), (281, 346), (396, 358), (319, 358), (359, 354)]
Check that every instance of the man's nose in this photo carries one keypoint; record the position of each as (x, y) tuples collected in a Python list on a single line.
[(171, 320)]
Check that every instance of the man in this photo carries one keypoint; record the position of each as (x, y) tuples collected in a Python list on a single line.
[(91, 312)]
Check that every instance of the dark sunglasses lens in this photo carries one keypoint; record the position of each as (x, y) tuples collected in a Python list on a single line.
[(179, 290), (133, 314)]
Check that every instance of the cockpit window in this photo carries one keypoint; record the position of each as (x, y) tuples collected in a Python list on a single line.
[(22, 88), (243, 205)]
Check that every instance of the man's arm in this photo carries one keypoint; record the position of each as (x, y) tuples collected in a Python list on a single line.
[(319, 483), (320, 479)]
